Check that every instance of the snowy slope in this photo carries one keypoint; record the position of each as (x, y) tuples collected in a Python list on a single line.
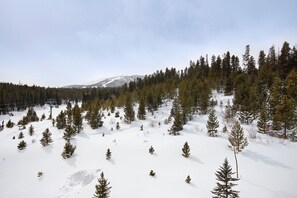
[(108, 82), (267, 167)]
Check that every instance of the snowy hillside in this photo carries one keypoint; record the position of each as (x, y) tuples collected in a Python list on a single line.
[(267, 166), (109, 82)]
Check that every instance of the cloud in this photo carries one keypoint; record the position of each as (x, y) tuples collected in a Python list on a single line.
[(81, 39)]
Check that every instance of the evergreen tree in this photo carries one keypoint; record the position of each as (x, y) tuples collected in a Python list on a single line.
[(118, 126), (141, 109), (225, 182), (151, 150), (152, 173), (31, 130), (186, 150), (178, 122), (61, 120), (263, 123), (46, 138), (229, 112), (69, 113), (188, 179), (103, 188), (285, 114), (9, 124), (129, 112), (236, 138), (69, 133), (276, 93), (77, 118), (212, 124), (68, 150), (291, 85), (108, 154), (94, 117), (42, 117), (22, 145), (21, 135)]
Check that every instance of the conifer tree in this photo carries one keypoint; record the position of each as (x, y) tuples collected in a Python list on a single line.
[(42, 117), (68, 150), (236, 138), (212, 124), (225, 182), (94, 117), (188, 179), (178, 122), (61, 120), (141, 109), (129, 112), (108, 154), (46, 138), (229, 112), (9, 124), (22, 145), (69, 113), (186, 150), (69, 133), (77, 118), (275, 95), (31, 130), (21, 135), (263, 123), (291, 85), (151, 150), (152, 173), (118, 126), (285, 114), (102, 188)]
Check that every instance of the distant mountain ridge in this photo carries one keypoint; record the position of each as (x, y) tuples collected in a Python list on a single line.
[(117, 81)]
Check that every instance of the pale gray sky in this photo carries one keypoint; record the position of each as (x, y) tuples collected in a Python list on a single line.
[(62, 42)]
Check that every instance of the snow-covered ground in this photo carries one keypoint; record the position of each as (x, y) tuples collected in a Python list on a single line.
[(267, 167)]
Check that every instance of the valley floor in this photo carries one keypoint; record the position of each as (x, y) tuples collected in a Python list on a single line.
[(267, 166)]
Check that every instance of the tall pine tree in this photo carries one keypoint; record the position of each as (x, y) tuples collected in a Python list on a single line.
[(236, 138), (212, 124), (225, 182), (102, 188)]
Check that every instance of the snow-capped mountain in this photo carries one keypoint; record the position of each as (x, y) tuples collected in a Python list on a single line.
[(109, 82)]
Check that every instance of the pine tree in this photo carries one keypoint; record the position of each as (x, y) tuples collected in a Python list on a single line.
[(69, 133), (103, 188), (22, 145), (229, 112), (69, 113), (42, 117), (118, 126), (94, 117), (224, 184), (152, 173), (212, 124), (68, 150), (77, 118), (141, 109), (61, 120), (31, 130), (9, 124), (263, 123), (108, 154), (186, 150), (285, 114), (46, 138), (188, 179), (129, 112), (151, 150), (236, 137), (178, 122), (21, 135)]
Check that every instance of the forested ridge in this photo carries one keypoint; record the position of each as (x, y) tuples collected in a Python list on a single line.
[(264, 88)]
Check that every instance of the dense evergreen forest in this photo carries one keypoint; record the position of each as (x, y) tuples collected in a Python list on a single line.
[(263, 89)]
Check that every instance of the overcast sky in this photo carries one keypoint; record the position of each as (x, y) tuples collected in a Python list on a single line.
[(63, 42)]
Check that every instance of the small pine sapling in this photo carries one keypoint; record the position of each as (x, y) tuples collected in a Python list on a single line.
[(31, 130), (141, 127), (151, 150), (21, 135), (188, 179), (118, 126), (22, 145), (186, 150), (46, 138), (40, 174), (152, 173), (68, 150), (225, 130), (108, 154)]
